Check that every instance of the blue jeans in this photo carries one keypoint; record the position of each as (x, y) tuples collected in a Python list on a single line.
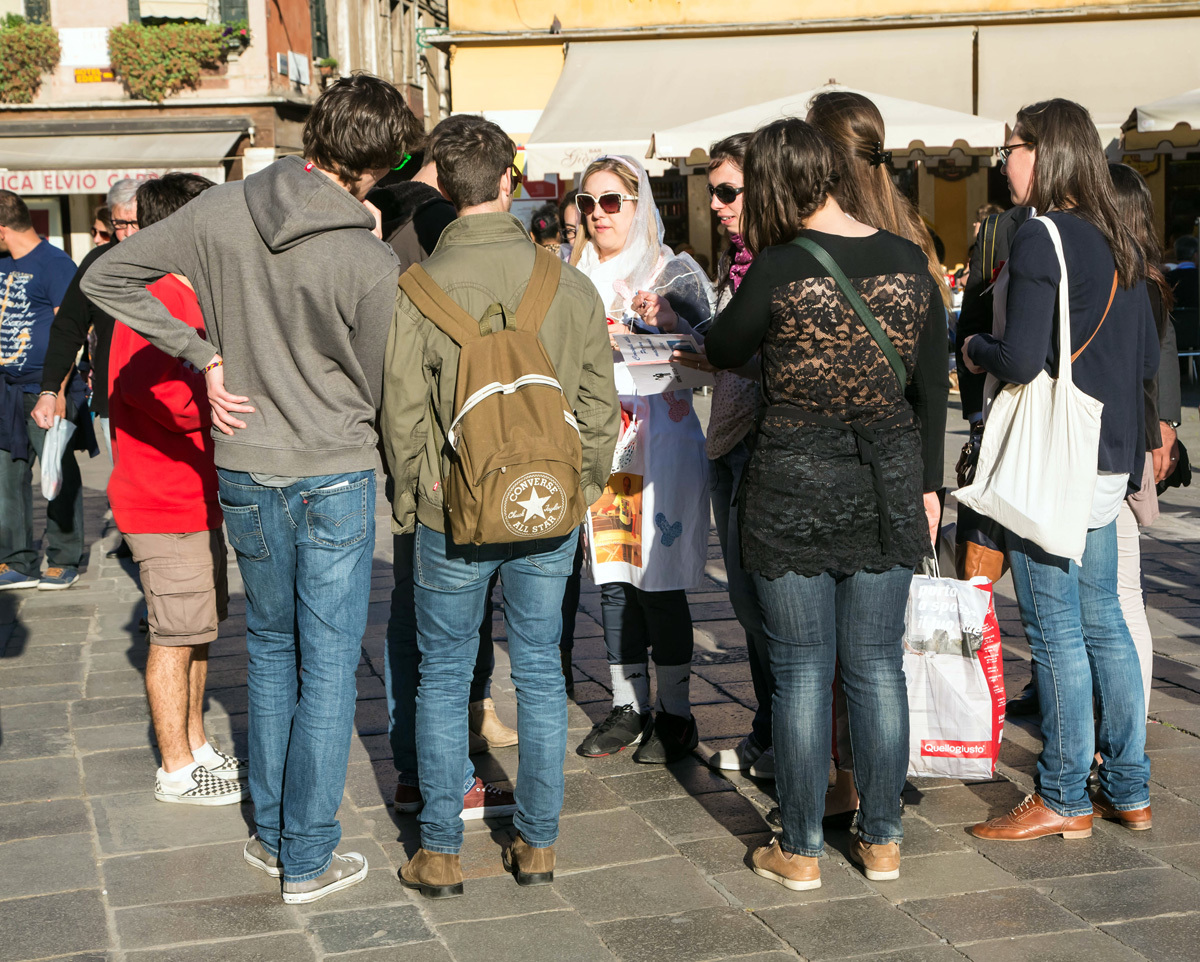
[(723, 482), (1082, 650), (64, 515), (858, 621), (402, 664), (450, 588), (304, 553)]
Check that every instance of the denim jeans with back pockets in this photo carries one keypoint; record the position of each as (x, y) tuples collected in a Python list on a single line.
[(856, 620), (451, 586), (304, 552), (1083, 656)]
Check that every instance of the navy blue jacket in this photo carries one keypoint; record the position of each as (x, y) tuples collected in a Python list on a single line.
[(1122, 355)]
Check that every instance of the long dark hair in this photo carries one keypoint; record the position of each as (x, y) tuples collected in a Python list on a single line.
[(791, 167), (1135, 206), (865, 190), (1070, 172), (731, 150)]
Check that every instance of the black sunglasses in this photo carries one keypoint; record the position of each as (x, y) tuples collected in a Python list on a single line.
[(516, 175), (725, 193), (1006, 152)]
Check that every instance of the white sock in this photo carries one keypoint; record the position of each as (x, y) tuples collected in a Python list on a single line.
[(674, 689), (206, 755), (181, 777), (631, 686)]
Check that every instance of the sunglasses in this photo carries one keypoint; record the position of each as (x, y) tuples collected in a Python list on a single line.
[(517, 176), (725, 193), (1005, 152), (609, 202), (102, 234)]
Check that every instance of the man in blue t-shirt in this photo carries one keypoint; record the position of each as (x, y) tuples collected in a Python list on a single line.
[(34, 276)]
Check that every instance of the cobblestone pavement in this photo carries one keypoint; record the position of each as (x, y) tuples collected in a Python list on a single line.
[(652, 861)]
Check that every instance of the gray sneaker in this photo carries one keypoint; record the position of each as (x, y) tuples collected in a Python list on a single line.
[(344, 871), (260, 858)]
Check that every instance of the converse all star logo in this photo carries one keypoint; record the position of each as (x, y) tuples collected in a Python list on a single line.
[(533, 505)]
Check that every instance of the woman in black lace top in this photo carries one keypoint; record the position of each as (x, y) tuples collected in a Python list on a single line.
[(832, 518)]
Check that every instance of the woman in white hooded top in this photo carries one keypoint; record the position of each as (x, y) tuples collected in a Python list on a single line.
[(648, 534)]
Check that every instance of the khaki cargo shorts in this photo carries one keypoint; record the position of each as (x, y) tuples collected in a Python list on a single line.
[(184, 581)]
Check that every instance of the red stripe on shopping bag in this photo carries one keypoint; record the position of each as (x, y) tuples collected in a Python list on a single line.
[(944, 748)]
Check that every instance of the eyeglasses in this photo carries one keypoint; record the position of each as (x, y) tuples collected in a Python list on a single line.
[(568, 233), (123, 224), (400, 166), (516, 175), (101, 234), (725, 193), (609, 202), (1004, 153)]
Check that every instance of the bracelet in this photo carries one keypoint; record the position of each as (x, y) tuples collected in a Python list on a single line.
[(48, 394), (215, 364)]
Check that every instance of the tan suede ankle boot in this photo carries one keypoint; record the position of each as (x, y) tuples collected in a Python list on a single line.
[(434, 874), (531, 866), (483, 721)]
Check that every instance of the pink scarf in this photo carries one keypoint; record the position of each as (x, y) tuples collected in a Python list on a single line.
[(741, 260)]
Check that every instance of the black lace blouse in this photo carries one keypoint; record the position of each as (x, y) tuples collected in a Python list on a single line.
[(843, 452)]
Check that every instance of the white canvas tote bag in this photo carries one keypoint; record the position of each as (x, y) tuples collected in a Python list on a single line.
[(1038, 460)]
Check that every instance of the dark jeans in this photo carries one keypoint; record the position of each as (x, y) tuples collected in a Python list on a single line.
[(858, 621), (64, 515), (724, 479), (402, 661), (304, 553), (636, 622)]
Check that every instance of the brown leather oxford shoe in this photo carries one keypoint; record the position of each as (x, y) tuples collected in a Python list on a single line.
[(1137, 820), (1032, 819)]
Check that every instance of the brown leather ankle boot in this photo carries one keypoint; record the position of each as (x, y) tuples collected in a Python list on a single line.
[(531, 866), (485, 723), (435, 875)]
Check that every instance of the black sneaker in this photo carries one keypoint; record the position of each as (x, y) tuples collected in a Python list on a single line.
[(623, 728), (668, 739)]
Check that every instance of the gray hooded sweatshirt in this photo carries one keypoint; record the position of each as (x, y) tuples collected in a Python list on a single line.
[(297, 297)]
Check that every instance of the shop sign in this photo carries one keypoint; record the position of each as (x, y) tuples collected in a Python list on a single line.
[(92, 75), (88, 181)]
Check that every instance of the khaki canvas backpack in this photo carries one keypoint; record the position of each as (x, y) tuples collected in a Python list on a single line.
[(514, 447)]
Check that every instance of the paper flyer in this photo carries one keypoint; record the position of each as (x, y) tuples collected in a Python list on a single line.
[(647, 357)]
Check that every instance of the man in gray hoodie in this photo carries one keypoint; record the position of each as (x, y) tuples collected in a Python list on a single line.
[(297, 298)]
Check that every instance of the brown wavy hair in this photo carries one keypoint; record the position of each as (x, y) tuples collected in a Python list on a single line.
[(866, 191), (791, 168), (1135, 205), (1070, 173)]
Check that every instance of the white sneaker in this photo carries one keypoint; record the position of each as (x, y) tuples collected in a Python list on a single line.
[(764, 765), (227, 766), (201, 788), (735, 759)]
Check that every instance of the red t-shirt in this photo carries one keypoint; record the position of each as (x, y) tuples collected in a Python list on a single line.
[(163, 479)]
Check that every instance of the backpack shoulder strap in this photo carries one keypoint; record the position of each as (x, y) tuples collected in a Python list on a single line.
[(437, 306), (539, 292), (824, 258)]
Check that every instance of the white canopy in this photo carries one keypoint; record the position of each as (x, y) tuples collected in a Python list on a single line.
[(1169, 112), (612, 95), (907, 123)]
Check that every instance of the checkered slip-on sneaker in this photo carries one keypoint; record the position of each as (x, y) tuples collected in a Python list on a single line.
[(205, 789), (229, 766)]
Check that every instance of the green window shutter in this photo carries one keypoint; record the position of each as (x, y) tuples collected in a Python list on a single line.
[(320, 29), (234, 10)]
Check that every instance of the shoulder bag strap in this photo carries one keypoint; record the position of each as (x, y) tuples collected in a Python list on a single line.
[(438, 308), (824, 258), (539, 292), (1111, 295)]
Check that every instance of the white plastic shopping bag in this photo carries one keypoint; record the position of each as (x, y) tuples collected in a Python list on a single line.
[(53, 451), (955, 674), (1037, 466)]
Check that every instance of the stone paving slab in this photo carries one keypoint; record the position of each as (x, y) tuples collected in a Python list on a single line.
[(653, 862)]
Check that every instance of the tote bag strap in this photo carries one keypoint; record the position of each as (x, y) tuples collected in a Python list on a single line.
[(1064, 302), (826, 260)]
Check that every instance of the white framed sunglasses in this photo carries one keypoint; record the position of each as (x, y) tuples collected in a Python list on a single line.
[(610, 202)]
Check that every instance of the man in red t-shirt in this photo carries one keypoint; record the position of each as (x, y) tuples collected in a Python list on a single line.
[(163, 492)]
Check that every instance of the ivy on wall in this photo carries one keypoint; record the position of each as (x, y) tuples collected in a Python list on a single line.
[(27, 52)]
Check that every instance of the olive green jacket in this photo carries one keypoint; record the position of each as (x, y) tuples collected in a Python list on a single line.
[(484, 259)]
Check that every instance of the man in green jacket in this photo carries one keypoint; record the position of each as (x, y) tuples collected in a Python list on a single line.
[(485, 258)]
